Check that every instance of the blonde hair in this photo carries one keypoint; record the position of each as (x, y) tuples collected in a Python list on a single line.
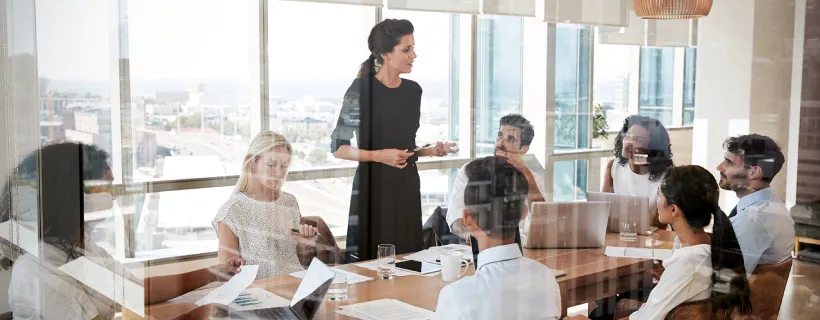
[(263, 142)]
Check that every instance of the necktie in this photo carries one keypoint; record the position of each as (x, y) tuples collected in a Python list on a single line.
[(733, 213)]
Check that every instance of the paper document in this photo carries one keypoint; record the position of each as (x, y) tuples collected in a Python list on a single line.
[(228, 292), (646, 253), (372, 265), (319, 275), (558, 273), (257, 298), (385, 309), (433, 253), (108, 283), (352, 278)]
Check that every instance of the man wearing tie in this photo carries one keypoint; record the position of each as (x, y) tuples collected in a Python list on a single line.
[(764, 227)]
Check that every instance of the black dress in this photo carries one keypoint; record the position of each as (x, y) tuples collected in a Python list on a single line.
[(385, 205)]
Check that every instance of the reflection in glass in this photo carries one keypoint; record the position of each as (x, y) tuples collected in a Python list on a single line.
[(572, 49), (689, 73), (657, 71)]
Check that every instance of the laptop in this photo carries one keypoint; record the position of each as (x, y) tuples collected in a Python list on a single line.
[(567, 225), (636, 209), (305, 302)]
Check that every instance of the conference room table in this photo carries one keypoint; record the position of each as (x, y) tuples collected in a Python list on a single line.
[(590, 276)]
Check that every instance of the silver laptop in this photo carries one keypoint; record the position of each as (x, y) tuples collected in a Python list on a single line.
[(635, 209), (567, 225)]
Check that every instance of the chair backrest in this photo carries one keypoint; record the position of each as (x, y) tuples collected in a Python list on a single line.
[(767, 284), (327, 250)]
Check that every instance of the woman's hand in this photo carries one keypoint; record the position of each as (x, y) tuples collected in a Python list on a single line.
[(307, 235), (394, 157), (443, 148), (236, 261), (224, 271)]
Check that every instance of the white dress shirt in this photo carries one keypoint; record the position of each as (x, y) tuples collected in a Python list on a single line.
[(506, 286), (764, 229), (455, 206), (687, 277)]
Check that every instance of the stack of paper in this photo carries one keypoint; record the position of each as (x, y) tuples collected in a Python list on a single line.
[(352, 278), (385, 309), (657, 254), (433, 253), (372, 265)]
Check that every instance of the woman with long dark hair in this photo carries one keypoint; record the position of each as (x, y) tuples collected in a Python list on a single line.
[(705, 267), (70, 179), (383, 110), (643, 154)]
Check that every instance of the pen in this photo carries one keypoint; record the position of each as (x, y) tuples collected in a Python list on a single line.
[(297, 231)]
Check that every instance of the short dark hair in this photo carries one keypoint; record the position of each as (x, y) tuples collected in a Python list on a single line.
[(495, 195), (759, 151), (518, 121)]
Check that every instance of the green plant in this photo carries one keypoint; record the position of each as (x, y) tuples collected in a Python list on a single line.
[(599, 124)]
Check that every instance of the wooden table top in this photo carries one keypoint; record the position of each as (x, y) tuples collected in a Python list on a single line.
[(583, 266)]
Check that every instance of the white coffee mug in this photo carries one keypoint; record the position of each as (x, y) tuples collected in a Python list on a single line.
[(451, 266)]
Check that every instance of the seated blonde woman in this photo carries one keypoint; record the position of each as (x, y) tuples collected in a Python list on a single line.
[(256, 222)]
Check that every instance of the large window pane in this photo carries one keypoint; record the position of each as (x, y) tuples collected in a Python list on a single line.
[(190, 78), (689, 74), (570, 180), (662, 114), (498, 87), (310, 70), (610, 87), (572, 86), (657, 68)]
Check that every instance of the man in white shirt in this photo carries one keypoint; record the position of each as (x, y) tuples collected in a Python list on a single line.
[(505, 285), (764, 227), (515, 134)]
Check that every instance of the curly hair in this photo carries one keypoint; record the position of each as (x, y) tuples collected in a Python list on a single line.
[(659, 150)]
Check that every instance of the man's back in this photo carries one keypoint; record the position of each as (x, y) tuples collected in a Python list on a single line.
[(764, 228), (505, 286)]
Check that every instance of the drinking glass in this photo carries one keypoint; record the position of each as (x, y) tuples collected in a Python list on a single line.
[(338, 288), (629, 231), (386, 261)]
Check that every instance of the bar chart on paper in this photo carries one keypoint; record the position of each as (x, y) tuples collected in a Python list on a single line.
[(257, 298)]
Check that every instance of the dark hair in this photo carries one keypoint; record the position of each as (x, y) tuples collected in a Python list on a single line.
[(495, 195), (659, 151), (63, 167), (383, 38), (518, 121), (757, 151), (694, 190)]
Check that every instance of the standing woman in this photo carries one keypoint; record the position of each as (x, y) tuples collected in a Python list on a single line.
[(383, 112)]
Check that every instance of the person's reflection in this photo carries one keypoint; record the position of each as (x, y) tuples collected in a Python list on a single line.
[(70, 178)]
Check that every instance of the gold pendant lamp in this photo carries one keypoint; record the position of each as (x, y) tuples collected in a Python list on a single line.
[(672, 9)]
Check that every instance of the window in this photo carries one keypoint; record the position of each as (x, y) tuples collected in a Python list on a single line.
[(572, 86), (190, 86), (498, 87), (610, 87), (689, 85), (312, 65), (572, 92), (75, 76), (656, 83)]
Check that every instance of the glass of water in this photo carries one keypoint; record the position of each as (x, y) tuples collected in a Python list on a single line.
[(386, 261), (629, 231), (338, 288)]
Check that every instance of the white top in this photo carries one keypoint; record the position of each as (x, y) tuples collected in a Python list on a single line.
[(764, 228), (506, 286), (625, 181), (39, 290), (455, 206), (687, 277), (263, 229)]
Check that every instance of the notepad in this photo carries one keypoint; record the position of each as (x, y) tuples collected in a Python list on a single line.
[(385, 309), (645, 253)]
